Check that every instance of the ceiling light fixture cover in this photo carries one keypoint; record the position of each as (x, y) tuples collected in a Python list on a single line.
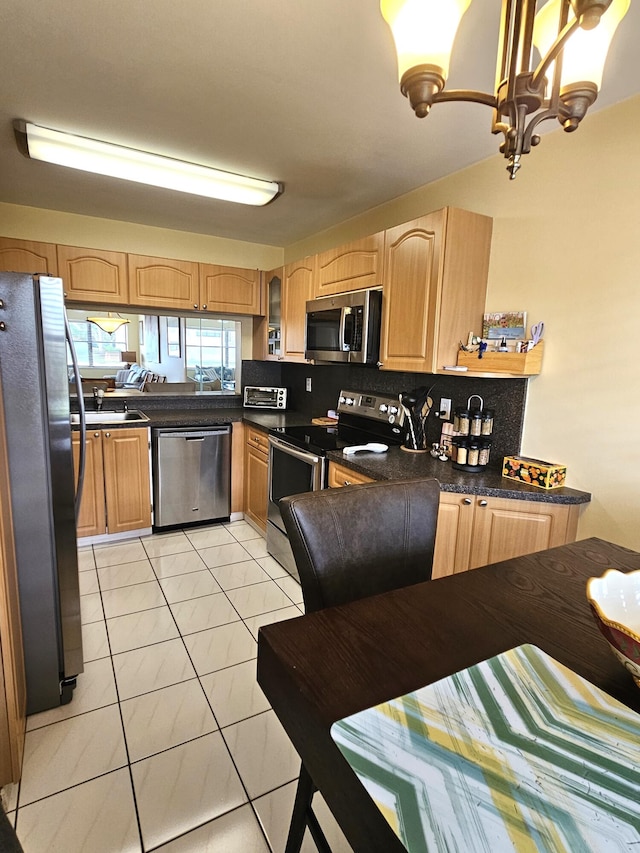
[(108, 324), (572, 38), (116, 161)]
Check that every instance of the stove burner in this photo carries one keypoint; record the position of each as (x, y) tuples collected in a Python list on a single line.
[(362, 418)]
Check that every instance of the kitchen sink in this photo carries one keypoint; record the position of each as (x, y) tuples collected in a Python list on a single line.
[(110, 417)]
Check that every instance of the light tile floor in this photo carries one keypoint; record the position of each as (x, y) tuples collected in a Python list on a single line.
[(169, 744)]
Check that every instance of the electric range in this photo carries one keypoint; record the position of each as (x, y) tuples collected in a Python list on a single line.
[(297, 455), (362, 417)]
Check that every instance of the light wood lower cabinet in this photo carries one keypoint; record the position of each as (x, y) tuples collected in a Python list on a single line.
[(474, 530), (340, 475), (117, 488), (13, 691), (256, 476)]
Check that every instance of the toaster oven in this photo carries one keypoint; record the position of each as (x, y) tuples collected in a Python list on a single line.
[(262, 397)]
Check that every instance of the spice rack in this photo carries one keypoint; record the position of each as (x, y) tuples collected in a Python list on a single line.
[(473, 428), (514, 363)]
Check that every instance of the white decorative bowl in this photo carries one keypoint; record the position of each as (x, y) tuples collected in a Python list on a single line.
[(615, 602)]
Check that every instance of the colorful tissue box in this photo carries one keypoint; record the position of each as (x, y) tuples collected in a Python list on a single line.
[(535, 472)]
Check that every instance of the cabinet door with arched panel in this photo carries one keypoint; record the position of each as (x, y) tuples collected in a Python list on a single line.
[(27, 256)]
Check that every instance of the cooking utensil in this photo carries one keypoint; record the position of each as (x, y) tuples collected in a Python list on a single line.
[(407, 401), (372, 446)]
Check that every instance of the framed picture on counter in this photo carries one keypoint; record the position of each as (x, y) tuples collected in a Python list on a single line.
[(511, 325)]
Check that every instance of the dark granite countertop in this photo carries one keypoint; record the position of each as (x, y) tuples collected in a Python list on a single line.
[(394, 464), (397, 464)]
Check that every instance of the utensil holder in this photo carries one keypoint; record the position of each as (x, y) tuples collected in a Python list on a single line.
[(416, 439)]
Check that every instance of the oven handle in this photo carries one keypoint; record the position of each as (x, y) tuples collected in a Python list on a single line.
[(303, 455)]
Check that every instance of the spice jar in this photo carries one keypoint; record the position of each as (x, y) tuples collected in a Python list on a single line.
[(473, 454), (485, 449), (463, 417), (461, 452), (487, 422), (475, 427)]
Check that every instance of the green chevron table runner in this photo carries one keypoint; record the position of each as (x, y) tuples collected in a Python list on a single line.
[(517, 753)]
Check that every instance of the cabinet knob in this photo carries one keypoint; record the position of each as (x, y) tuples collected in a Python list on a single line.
[(380, 363), (107, 435), (347, 483), (482, 503), (195, 306), (467, 501), (96, 435), (204, 307)]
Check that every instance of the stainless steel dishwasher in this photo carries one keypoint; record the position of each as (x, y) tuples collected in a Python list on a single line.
[(191, 475)]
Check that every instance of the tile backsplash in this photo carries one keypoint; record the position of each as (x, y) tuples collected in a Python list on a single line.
[(505, 396)]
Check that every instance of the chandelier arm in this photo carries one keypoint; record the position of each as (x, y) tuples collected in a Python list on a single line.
[(554, 51), (535, 121), (470, 95)]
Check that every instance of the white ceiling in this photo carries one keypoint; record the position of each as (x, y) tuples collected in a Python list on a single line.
[(300, 91)]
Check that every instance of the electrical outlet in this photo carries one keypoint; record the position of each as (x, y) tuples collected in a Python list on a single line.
[(445, 409), (308, 384)]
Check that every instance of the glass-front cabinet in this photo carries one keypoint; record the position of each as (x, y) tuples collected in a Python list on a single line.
[(274, 315)]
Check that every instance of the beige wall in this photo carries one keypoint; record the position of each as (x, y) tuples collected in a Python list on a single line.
[(51, 226), (566, 249)]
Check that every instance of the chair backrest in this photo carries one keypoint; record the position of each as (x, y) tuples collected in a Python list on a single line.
[(356, 541)]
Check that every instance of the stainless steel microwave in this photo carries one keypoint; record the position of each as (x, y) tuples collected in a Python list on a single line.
[(345, 327), (262, 397)]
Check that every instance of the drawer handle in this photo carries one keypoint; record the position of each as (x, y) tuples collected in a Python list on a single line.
[(467, 501), (482, 503)]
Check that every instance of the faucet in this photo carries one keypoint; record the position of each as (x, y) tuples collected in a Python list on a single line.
[(98, 395)]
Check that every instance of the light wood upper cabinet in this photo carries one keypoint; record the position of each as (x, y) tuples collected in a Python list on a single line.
[(27, 256), (434, 288), (93, 275), (229, 290), (350, 267), (163, 283), (297, 288)]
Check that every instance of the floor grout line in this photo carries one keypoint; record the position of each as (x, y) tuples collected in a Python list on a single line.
[(111, 655)]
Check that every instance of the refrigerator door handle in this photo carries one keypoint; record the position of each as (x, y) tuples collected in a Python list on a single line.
[(81, 410)]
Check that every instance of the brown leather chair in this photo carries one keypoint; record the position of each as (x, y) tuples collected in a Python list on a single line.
[(351, 543)]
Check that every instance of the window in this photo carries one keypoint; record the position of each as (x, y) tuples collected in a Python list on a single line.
[(211, 351), (94, 347)]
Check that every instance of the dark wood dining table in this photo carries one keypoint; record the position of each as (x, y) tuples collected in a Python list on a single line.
[(324, 666)]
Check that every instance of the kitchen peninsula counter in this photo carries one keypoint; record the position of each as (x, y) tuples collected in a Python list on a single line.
[(398, 464)]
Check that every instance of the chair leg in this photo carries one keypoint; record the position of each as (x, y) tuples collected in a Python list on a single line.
[(303, 816)]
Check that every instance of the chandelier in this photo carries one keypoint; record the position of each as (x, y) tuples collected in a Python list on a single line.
[(571, 39), (108, 324)]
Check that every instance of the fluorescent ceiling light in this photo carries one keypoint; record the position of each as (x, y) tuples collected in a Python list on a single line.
[(104, 158)]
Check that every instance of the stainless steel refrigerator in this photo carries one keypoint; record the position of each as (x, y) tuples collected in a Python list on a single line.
[(35, 387)]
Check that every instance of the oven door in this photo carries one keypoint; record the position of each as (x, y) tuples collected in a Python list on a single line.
[(292, 471)]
